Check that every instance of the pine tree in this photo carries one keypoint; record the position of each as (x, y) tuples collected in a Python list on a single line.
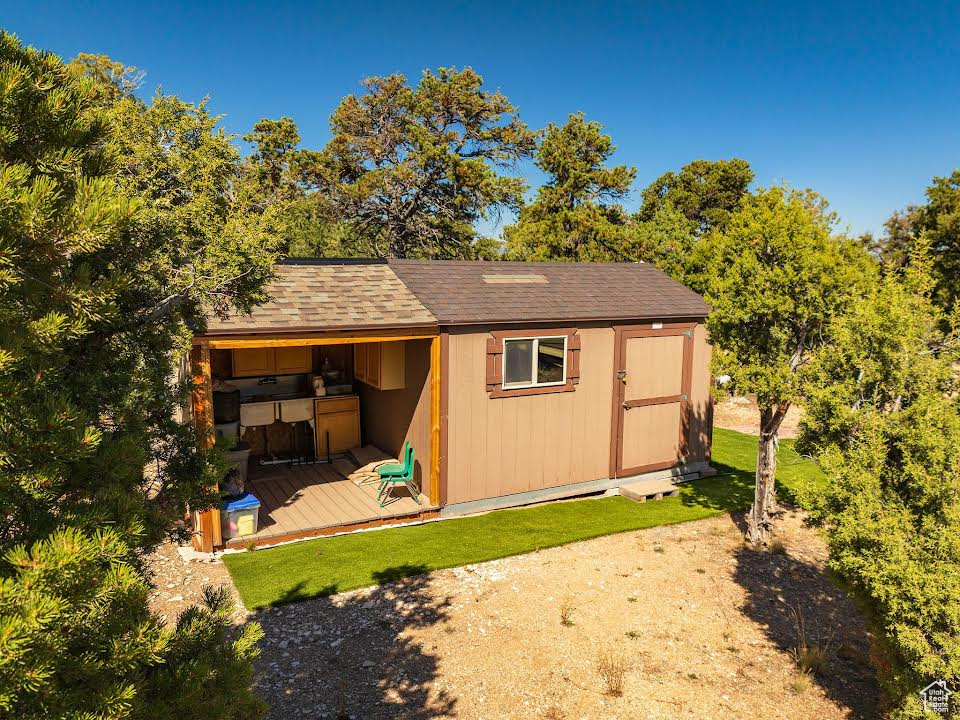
[(97, 287), (577, 213)]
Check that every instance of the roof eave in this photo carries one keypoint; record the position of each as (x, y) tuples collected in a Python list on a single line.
[(301, 329), (452, 322)]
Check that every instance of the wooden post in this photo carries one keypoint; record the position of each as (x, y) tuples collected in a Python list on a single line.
[(435, 371), (207, 527)]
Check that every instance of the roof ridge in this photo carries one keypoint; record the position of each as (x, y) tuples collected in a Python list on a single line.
[(331, 261)]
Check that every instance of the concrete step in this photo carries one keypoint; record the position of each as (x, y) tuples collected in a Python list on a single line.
[(643, 490)]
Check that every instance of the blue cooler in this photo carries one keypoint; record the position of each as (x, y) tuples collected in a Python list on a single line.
[(239, 516)]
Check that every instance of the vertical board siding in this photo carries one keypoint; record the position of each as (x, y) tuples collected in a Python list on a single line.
[(700, 414), (654, 366), (502, 446), (389, 418)]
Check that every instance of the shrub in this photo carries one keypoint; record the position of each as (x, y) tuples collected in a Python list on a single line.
[(77, 640), (885, 424), (567, 608), (612, 668)]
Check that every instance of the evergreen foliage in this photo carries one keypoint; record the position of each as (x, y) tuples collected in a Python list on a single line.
[(938, 221), (681, 208), (706, 192), (884, 421), (576, 215), (116, 232), (414, 168), (775, 277)]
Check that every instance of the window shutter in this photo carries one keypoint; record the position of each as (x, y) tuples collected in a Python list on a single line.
[(573, 359), (494, 363)]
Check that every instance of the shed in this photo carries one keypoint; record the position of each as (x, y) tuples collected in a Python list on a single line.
[(514, 383)]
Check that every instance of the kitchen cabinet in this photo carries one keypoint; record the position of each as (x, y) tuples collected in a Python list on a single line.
[(360, 361), (254, 362), (293, 360), (380, 365), (337, 418)]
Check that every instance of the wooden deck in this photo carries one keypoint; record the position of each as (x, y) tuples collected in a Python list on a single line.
[(298, 501)]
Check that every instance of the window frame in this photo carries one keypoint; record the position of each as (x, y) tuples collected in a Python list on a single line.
[(534, 356), (495, 368)]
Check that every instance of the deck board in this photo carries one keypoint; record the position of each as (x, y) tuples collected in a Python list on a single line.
[(300, 498)]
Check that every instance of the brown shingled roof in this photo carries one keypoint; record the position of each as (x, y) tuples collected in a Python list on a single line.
[(458, 292), (329, 295)]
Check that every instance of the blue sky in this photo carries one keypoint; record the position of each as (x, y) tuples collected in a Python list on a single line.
[(858, 100)]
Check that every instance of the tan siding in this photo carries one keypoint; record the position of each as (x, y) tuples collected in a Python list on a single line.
[(699, 439), (388, 418), (654, 366), (508, 445), (651, 435)]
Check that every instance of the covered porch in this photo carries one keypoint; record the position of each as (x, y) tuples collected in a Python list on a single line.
[(316, 492), (300, 501)]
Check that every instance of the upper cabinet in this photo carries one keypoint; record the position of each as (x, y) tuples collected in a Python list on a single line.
[(360, 361), (381, 364), (252, 362), (293, 360)]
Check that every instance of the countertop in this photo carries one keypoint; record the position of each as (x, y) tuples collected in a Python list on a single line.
[(305, 397)]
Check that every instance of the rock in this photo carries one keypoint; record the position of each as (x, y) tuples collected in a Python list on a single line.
[(336, 643), (368, 663), (283, 644)]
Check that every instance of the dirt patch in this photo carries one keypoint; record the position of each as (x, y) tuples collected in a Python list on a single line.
[(741, 414), (671, 622), (178, 582)]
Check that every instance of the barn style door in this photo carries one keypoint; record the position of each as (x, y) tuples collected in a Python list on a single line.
[(651, 397)]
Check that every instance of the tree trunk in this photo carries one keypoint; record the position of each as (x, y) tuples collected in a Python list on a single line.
[(760, 518)]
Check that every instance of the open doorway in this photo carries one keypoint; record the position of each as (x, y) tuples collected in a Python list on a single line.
[(306, 427)]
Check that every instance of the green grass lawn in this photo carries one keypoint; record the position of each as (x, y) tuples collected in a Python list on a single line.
[(316, 568)]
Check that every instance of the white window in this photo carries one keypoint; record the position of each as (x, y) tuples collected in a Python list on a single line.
[(534, 362)]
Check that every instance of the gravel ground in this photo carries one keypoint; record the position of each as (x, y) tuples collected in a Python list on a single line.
[(179, 583), (699, 626), (741, 414)]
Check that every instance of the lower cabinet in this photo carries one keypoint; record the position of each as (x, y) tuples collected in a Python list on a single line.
[(337, 418)]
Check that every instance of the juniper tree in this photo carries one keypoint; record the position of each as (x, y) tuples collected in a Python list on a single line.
[(938, 220), (706, 192), (116, 233), (775, 277), (882, 418)]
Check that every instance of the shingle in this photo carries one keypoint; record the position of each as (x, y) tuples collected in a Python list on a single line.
[(330, 295), (456, 291)]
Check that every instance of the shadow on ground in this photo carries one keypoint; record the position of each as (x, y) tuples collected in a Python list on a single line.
[(796, 602), (347, 656)]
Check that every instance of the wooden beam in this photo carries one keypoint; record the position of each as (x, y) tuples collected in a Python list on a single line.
[(202, 401), (435, 377), (239, 342), (444, 414)]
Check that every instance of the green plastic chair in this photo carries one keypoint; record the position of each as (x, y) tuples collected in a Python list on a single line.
[(393, 474)]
